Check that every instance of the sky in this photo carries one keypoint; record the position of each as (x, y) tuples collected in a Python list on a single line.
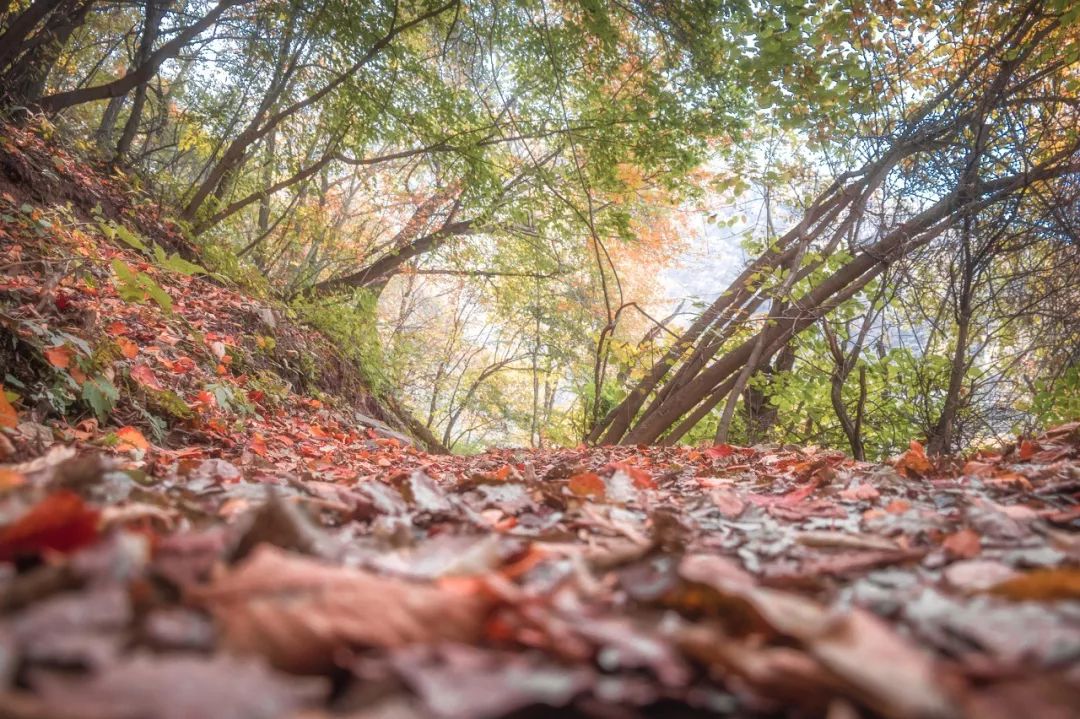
[(713, 257)]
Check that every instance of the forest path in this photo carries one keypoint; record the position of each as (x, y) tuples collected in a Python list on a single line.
[(613, 581)]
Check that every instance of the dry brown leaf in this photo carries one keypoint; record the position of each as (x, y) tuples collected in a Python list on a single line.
[(887, 672), (1044, 585), (882, 669), (299, 613), (778, 673), (964, 544)]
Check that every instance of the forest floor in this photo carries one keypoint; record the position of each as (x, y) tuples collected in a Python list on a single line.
[(195, 522)]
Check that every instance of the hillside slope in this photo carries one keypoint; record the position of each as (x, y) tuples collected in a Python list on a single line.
[(194, 523), (107, 321)]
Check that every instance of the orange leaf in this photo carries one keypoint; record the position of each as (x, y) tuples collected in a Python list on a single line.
[(898, 506), (59, 356), (146, 377), (61, 522), (641, 478), (131, 438), (127, 348), (965, 544), (1044, 585), (10, 478), (258, 445), (8, 416), (977, 469), (1027, 449), (914, 460), (587, 484)]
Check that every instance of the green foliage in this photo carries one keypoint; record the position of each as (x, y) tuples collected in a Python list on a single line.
[(349, 320), (176, 263), (230, 398), (101, 396), (133, 286), (1056, 400), (167, 404)]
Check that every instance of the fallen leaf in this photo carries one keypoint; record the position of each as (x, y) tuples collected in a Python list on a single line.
[(8, 416), (299, 613), (131, 438), (964, 544), (898, 506), (10, 479), (180, 687), (1042, 585), (719, 451), (1027, 449), (59, 356), (422, 492), (61, 522), (641, 478), (914, 461), (587, 484), (976, 575), (728, 502), (460, 682), (146, 377), (127, 348), (859, 492), (886, 672), (880, 668)]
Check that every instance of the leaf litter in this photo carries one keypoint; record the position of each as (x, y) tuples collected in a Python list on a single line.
[(413, 591)]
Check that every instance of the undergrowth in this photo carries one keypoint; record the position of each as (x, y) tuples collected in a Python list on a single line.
[(349, 320)]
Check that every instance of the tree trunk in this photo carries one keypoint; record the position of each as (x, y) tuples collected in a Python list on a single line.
[(151, 27), (25, 80), (941, 438), (379, 272), (121, 86), (12, 42)]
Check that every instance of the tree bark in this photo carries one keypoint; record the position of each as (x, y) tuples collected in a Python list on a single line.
[(151, 27), (12, 42), (379, 272), (25, 79)]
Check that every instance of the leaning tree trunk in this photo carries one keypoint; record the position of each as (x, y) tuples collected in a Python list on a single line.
[(24, 81), (706, 369)]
